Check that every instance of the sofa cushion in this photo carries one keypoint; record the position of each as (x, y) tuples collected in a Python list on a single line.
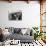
[(17, 30), (11, 30), (23, 31), (20, 37)]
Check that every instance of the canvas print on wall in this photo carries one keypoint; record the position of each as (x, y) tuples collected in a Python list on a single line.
[(15, 16)]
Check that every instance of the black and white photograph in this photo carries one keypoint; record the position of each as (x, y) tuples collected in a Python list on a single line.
[(15, 16)]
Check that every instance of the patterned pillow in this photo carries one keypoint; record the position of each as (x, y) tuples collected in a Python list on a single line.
[(11, 30), (17, 30)]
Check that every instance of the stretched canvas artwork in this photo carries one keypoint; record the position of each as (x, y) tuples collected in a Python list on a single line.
[(15, 16)]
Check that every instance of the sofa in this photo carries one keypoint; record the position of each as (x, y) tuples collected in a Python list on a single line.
[(22, 34)]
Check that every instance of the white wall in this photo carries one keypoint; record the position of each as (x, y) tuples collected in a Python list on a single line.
[(30, 14)]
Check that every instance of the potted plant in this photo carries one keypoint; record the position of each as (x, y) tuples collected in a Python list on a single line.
[(37, 33)]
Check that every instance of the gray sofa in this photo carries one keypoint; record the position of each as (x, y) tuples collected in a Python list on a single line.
[(17, 35)]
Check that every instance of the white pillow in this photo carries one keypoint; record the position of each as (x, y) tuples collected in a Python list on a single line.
[(23, 31), (5, 32)]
